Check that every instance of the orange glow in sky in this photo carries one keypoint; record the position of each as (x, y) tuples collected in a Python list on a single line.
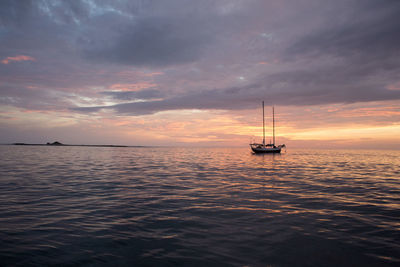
[(217, 128)]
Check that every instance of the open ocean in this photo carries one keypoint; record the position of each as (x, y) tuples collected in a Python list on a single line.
[(90, 206)]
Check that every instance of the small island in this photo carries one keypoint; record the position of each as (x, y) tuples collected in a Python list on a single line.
[(56, 143)]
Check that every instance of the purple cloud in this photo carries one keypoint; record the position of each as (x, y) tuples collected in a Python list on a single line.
[(213, 54)]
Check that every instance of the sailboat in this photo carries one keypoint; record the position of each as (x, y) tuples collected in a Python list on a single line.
[(271, 147)]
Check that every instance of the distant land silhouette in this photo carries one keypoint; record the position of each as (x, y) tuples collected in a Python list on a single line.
[(56, 143)]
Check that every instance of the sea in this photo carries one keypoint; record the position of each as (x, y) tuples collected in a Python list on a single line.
[(181, 206)]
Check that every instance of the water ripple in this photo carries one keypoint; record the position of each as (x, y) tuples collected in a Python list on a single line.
[(198, 206)]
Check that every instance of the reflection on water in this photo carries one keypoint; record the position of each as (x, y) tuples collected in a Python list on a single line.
[(198, 206)]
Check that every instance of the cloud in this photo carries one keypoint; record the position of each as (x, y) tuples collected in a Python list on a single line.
[(134, 95), (32, 98), (373, 34), (157, 34), (131, 86), (15, 12), (17, 59), (201, 49), (247, 97), (153, 42)]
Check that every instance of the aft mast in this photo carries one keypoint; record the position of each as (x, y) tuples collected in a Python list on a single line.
[(263, 125), (273, 124)]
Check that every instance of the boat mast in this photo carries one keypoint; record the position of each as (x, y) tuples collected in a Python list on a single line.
[(273, 124), (263, 124)]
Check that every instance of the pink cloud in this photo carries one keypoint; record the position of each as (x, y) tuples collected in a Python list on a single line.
[(131, 73), (132, 86), (17, 58), (393, 87)]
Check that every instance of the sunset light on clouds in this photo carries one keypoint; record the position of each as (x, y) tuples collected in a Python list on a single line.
[(194, 74), (17, 58)]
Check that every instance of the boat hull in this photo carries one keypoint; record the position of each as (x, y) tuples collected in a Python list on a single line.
[(260, 150)]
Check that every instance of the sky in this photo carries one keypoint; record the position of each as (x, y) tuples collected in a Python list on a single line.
[(194, 73)]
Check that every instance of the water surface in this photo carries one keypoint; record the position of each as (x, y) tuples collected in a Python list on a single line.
[(198, 206)]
